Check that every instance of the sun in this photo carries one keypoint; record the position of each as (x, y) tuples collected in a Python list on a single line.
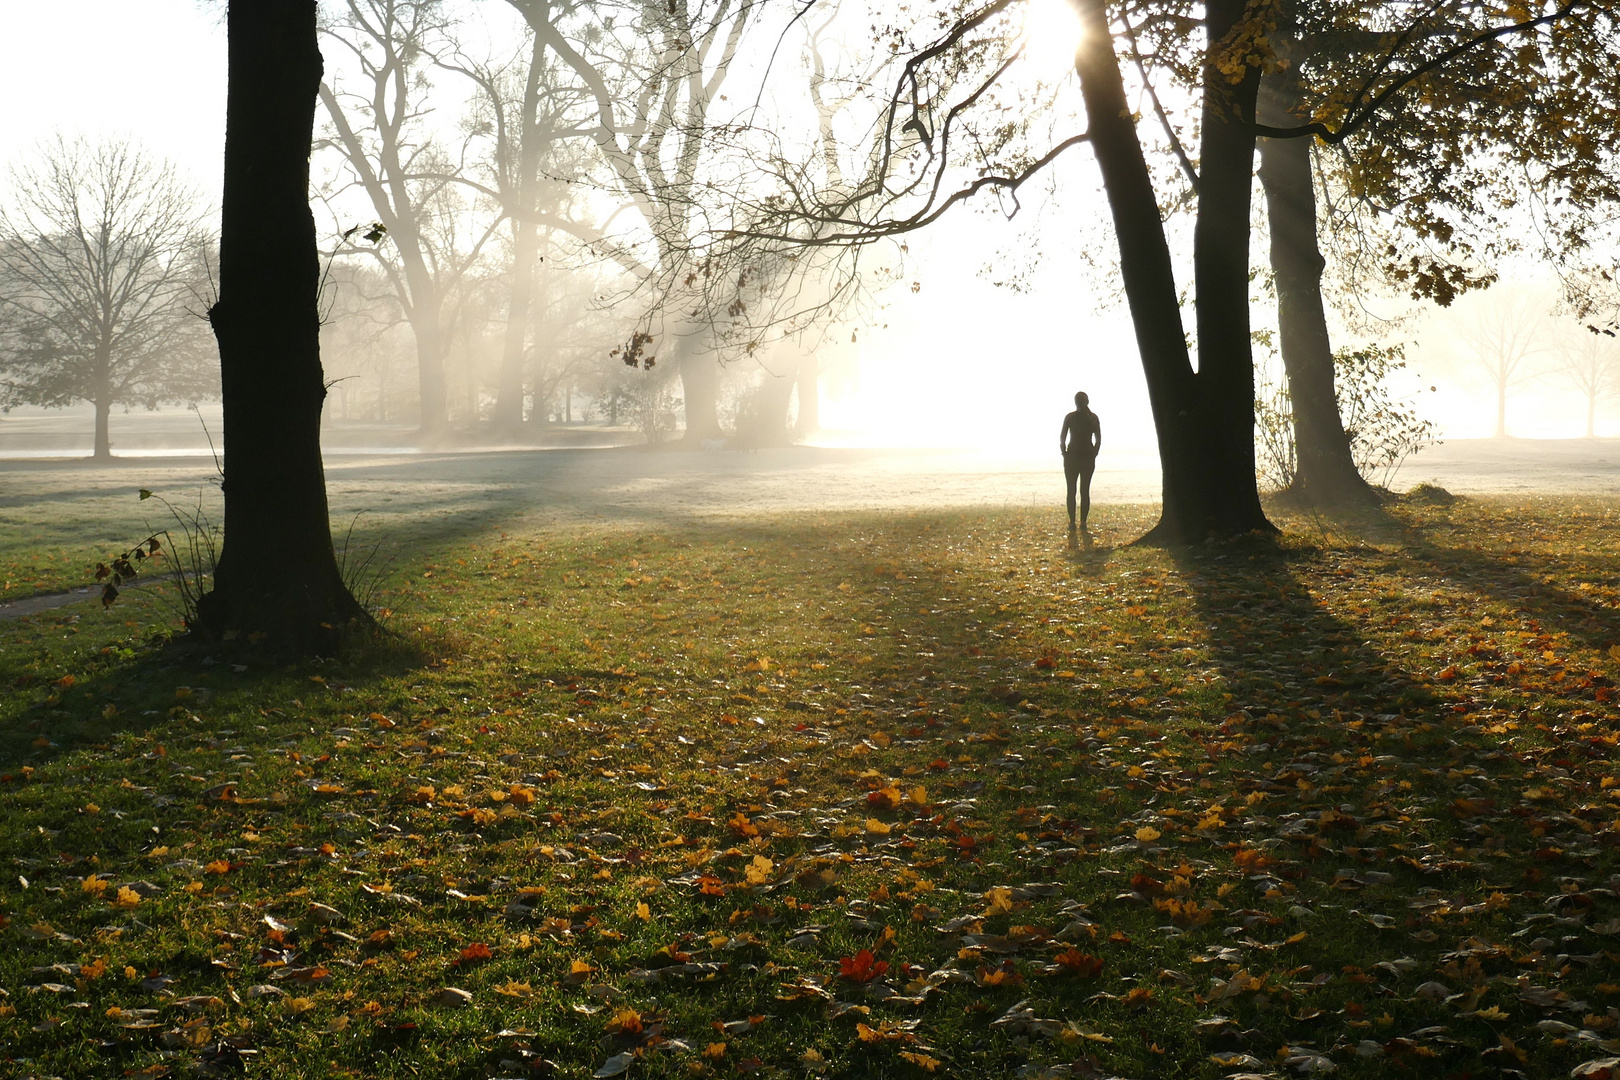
[(1051, 35)]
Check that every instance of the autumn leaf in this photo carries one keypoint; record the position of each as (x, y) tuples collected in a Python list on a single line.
[(473, 953), (625, 1022), (863, 967), (884, 798), (1079, 964), (922, 1061)]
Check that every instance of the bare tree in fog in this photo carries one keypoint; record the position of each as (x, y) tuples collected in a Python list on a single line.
[(1590, 362), (525, 121), (379, 125), (102, 283), (653, 72), (1496, 339)]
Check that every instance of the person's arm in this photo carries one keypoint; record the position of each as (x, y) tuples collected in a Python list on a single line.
[(1066, 434), (1096, 431)]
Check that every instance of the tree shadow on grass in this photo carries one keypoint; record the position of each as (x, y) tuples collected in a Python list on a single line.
[(1279, 650), (1520, 579), (123, 689)]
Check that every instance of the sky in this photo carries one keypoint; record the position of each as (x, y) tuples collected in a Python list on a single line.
[(961, 362), (154, 68)]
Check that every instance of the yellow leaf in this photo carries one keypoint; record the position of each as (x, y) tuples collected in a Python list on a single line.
[(127, 897), (1297, 938), (643, 912), (880, 828), (715, 1051), (1147, 834), (999, 901), (922, 1061), (758, 872), (1491, 1013)]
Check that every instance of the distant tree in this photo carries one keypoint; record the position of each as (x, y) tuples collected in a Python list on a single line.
[(278, 576), (101, 283), (653, 73), (379, 125), (1590, 361), (1496, 337)]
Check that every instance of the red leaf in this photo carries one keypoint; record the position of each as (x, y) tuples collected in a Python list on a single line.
[(863, 967)]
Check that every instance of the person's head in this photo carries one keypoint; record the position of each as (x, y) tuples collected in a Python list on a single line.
[(1081, 400)]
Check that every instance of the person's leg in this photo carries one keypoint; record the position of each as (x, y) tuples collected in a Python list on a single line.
[(1071, 473), (1086, 469)]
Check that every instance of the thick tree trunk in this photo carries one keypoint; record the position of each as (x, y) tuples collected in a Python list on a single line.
[(1501, 409), (1207, 488), (1327, 473), (764, 421), (103, 444), (278, 574), (1221, 268), (434, 403), (1591, 416), (700, 395)]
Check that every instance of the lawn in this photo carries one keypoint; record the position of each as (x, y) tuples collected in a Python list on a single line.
[(824, 795)]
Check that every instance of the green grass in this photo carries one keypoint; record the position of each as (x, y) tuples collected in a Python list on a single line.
[(1350, 791)]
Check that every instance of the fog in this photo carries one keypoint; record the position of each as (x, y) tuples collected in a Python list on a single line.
[(989, 329)]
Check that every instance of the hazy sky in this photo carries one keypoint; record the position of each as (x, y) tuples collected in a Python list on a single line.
[(154, 68), (962, 361)]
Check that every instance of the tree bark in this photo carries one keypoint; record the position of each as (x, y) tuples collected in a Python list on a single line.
[(700, 396), (764, 421), (277, 575), (1208, 481), (1327, 473), (103, 444), (1221, 271), (427, 326), (1501, 408)]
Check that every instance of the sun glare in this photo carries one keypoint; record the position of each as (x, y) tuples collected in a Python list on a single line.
[(1051, 34)]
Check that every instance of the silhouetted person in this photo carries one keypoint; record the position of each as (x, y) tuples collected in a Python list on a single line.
[(1080, 440)]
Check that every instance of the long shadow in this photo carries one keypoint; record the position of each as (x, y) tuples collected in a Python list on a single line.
[(1521, 585), (1276, 644)]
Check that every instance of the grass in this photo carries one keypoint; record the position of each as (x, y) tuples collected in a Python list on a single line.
[(853, 795)]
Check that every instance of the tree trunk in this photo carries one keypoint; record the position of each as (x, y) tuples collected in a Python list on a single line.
[(1327, 473), (277, 575), (103, 445), (1221, 269), (1501, 409), (1591, 416), (1206, 488), (809, 418), (508, 415), (764, 420), (700, 396), (433, 401)]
